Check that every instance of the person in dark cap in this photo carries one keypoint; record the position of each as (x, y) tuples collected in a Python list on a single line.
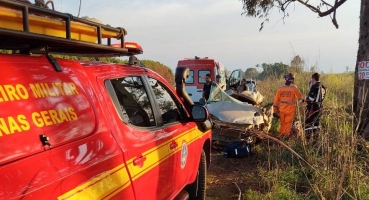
[(314, 105), (207, 87), (217, 79)]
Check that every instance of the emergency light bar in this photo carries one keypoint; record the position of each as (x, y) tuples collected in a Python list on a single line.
[(132, 47)]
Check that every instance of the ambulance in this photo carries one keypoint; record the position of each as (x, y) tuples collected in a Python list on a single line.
[(89, 130), (199, 68)]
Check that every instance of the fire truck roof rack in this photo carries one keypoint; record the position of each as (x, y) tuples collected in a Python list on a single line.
[(31, 29)]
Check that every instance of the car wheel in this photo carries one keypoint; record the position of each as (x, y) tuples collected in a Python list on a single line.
[(197, 189)]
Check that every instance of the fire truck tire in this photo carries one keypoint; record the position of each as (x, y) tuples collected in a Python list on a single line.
[(197, 189)]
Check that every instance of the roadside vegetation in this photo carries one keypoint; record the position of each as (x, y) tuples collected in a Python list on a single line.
[(156, 66), (334, 166)]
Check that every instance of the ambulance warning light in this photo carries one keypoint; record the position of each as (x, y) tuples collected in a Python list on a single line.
[(132, 47)]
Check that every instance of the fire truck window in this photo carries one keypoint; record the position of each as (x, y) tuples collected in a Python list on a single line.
[(202, 74), (190, 77), (134, 102), (169, 106)]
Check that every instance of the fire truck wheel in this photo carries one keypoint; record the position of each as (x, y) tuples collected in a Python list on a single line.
[(197, 189)]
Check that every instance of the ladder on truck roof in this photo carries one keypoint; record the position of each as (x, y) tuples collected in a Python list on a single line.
[(22, 26)]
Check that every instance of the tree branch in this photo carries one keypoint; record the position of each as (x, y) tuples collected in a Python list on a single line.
[(261, 9), (312, 8), (334, 8), (283, 8), (334, 20), (327, 3), (239, 191), (323, 14)]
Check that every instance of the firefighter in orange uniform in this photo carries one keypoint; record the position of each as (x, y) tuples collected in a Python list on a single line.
[(285, 104)]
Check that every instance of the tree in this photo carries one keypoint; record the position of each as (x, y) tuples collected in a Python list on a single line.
[(276, 70), (251, 73), (101, 59), (261, 9), (156, 66), (297, 64), (161, 69), (361, 102)]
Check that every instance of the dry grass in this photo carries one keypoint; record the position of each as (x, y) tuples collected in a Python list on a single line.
[(334, 166)]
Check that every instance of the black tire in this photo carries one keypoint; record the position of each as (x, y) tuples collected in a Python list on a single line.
[(197, 189)]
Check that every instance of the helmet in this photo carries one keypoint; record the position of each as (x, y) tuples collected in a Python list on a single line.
[(290, 77)]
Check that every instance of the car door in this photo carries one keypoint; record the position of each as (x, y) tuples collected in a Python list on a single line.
[(182, 146), (235, 77), (135, 127)]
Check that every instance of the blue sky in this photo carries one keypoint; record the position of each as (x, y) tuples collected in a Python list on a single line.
[(170, 30)]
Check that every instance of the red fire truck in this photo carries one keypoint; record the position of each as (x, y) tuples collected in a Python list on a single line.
[(88, 129)]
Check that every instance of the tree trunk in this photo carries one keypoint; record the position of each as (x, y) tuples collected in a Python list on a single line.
[(361, 87)]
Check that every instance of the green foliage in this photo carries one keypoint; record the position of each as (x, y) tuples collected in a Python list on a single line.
[(161, 69), (262, 8), (5, 51), (251, 73), (297, 64), (275, 125), (363, 190), (252, 194), (276, 70), (156, 66), (101, 59), (257, 8), (283, 193)]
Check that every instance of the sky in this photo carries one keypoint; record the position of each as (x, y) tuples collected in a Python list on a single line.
[(170, 30)]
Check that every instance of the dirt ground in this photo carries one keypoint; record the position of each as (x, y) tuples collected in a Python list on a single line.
[(223, 173)]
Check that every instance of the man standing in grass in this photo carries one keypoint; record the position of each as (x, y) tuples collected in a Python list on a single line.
[(314, 106), (285, 104)]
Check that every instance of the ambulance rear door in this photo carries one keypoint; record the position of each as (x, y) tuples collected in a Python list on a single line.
[(196, 79)]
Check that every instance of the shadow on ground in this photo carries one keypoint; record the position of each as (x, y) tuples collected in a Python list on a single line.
[(225, 172)]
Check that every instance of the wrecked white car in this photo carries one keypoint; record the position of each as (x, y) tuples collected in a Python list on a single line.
[(236, 120)]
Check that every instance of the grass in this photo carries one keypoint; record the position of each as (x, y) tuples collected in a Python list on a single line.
[(334, 166), (331, 168)]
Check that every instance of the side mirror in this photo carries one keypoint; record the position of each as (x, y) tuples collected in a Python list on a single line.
[(199, 113)]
